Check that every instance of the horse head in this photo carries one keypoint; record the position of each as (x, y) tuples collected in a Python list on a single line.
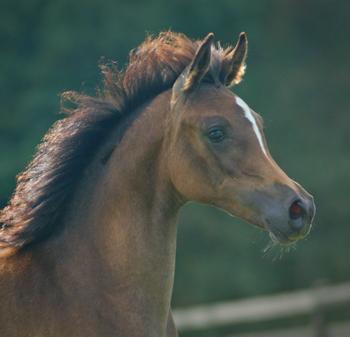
[(219, 154)]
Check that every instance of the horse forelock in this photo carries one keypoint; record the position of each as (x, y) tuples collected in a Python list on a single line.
[(46, 185)]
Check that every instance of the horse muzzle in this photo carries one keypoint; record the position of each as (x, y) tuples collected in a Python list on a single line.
[(299, 222), (289, 217), (286, 212)]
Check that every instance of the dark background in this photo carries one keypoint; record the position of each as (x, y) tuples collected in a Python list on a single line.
[(297, 78)]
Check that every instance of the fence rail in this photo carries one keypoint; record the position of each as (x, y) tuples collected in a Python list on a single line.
[(334, 330), (262, 308)]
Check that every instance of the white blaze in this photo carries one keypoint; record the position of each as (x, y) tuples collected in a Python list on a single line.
[(248, 114)]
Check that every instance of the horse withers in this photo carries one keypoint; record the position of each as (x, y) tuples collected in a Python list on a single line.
[(88, 239)]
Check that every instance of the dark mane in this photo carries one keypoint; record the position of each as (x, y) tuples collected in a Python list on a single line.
[(48, 182)]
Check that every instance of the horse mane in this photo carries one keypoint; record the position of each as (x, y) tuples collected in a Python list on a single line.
[(48, 182)]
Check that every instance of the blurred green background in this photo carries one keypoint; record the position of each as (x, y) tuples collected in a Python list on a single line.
[(297, 78)]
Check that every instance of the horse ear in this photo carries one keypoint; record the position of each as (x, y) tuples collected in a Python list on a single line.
[(234, 64), (199, 65)]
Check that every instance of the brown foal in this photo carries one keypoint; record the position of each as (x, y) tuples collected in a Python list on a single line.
[(88, 239)]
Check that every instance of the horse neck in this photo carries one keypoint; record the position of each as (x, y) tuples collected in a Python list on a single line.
[(119, 238)]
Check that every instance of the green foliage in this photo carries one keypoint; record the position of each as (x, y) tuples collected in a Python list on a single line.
[(297, 78)]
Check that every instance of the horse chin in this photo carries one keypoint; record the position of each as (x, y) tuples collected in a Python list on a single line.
[(284, 241)]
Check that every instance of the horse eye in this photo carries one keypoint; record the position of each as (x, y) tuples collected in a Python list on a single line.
[(216, 135)]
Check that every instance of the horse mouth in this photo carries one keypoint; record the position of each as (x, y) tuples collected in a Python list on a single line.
[(286, 237)]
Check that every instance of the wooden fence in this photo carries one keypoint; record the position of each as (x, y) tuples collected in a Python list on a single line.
[(313, 302)]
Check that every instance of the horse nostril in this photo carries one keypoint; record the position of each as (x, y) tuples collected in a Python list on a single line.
[(296, 210), (298, 215)]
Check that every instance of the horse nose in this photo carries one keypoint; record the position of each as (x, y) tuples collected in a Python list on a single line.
[(301, 214)]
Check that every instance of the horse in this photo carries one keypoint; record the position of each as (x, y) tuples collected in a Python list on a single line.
[(88, 238)]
